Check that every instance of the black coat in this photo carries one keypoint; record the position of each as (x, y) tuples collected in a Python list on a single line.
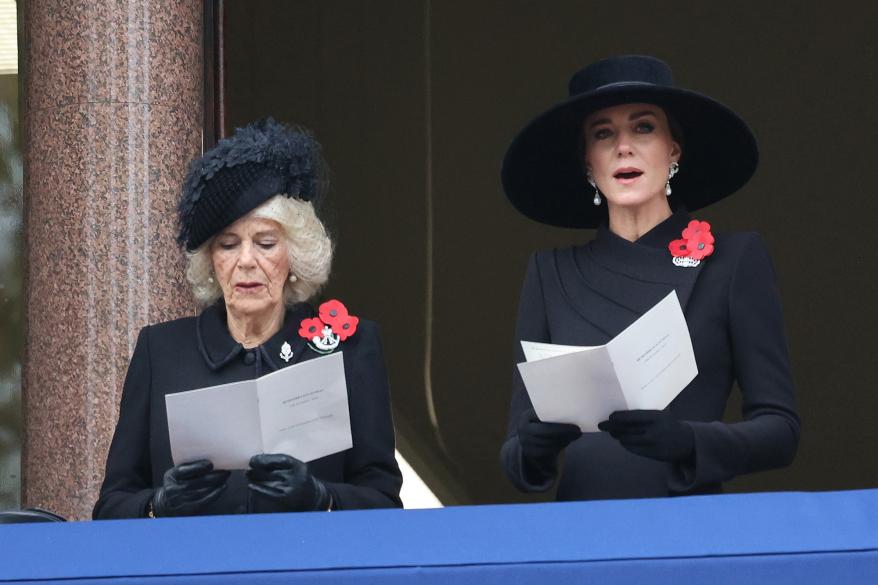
[(586, 295), (196, 352)]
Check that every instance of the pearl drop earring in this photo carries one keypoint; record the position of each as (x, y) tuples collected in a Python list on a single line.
[(597, 193)]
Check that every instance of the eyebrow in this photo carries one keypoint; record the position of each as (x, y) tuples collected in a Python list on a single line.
[(633, 116), (642, 114), (259, 234)]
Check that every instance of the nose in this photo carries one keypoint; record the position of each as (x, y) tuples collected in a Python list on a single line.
[(623, 146), (247, 258)]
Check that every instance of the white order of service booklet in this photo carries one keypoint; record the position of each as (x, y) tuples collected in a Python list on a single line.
[(301, 410), (644, 367)]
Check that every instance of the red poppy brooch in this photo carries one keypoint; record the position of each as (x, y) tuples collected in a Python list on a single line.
[(332, 325), (695, 245)]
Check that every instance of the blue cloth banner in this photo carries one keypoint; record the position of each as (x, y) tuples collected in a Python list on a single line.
[(776, 538)]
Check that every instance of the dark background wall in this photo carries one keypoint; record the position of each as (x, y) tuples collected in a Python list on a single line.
[(415, 102)]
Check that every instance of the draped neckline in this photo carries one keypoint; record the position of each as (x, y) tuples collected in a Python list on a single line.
[(611, 281)]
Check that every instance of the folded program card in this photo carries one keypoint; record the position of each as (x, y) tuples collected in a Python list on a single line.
[(644, 367), (301, 410)]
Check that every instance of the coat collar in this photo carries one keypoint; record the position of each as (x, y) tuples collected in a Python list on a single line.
[(611, 282), (648, 256), (218, 347)]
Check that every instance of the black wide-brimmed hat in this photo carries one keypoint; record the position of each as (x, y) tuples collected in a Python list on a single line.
[(543, 173), (233, 178)]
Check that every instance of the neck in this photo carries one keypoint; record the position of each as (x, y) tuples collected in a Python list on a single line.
[(251, 330), (632, 222)]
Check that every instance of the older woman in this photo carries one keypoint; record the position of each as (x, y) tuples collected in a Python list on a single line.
[(257, 252), (630, 153)]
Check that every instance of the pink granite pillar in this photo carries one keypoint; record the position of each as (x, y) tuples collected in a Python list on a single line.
[(112, 115)]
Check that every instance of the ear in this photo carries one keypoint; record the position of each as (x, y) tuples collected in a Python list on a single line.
[(676, 151), (582, 154)]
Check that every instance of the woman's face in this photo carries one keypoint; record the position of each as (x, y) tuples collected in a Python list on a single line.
[(251, 264), (629, 150)]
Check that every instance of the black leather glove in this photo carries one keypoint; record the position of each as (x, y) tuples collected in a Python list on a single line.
[(187, 488), (286, 482), (656, 434), (542, 441)]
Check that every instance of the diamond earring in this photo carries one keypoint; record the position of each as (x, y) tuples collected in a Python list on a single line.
[(293, 278), (671, 172)]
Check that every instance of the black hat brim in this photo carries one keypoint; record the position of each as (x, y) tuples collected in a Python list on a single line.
[(544, 178)]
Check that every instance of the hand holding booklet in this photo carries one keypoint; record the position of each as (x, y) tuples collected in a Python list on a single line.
[(300, 410), (644, 367)]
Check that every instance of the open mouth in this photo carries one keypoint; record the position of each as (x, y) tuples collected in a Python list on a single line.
[(627, 174)]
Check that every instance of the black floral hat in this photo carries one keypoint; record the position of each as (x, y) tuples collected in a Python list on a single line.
[(257, 162)]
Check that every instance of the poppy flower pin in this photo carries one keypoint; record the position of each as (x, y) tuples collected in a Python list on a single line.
[(695, 245), (332, 325)]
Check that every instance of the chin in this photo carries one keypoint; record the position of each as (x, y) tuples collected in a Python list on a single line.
[(633, 200), (257, 305)]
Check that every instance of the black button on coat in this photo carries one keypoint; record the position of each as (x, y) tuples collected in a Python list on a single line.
[(197, 352), (586, 295)]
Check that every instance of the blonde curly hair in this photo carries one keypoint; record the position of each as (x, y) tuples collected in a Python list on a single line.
[(309, 248)]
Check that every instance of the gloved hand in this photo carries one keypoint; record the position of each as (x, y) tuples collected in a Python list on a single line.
[(187, 488), (286, 482), (656, 434), (542, 441)]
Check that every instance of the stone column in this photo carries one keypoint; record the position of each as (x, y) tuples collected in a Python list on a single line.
[(112, 114)]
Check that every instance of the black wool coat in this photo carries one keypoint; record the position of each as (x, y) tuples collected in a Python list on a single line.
[(197, 352), (586, 295)]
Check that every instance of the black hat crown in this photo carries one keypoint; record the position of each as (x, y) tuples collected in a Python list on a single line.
[(628, 69)]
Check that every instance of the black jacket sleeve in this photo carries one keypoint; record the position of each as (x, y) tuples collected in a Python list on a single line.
[(768, 436), (531, 325), (372, 476), (127, 485)]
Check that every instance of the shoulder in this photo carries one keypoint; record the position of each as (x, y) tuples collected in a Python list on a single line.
[(367, 329), (167, 336), (170, 329), (741, 249), (546, 267), (736, 244), (744, 258), (545, 262), (547, 256), (368, 334), (363, 350)]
